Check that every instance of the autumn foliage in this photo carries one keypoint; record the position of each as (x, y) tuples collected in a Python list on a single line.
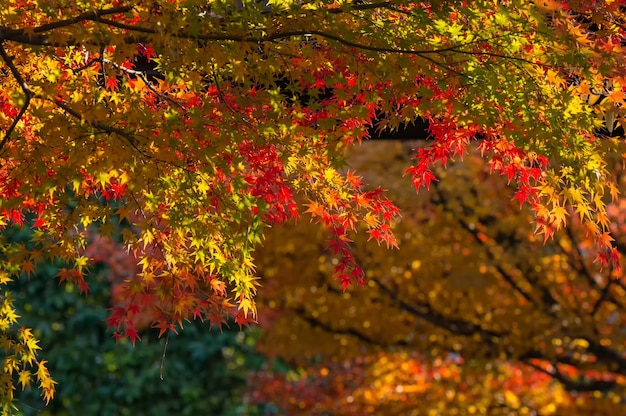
[(191, 127), (474, 315)]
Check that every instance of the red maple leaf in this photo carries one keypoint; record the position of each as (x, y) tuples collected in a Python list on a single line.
[(111, 83), (243, 319), (132, 333)]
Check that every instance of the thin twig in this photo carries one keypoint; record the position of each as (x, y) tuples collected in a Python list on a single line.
[(225, 101), (85, 66), (167, 340), (142, 76), (109, 129)]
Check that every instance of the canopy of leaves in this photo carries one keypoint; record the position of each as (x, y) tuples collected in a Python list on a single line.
[(474, 315), (204, 120)]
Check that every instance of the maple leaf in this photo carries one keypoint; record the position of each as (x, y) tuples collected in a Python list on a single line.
[(243, 319), (524, 194), (315, 209), (216, 319), (45, 381), (28, 267), (132, 334), (559, 215), (163, 327), (24, 378), (605, 240), (375, 234), (112, 84)]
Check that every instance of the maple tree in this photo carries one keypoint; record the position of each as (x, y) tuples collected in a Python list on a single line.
[(474, 315), (247, 104)]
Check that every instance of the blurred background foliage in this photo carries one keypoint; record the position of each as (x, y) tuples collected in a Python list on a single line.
[(204, 371), (474, 314)]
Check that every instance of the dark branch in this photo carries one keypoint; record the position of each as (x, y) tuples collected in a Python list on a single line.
[(474, 233), (571, 385), (580, 267), (41, 39), (454, 326), (108, 129), (142, 76), (93, 16), (28, 95), (606, 355), (357, 7), (20, 35), (604, 295), (317, 323)]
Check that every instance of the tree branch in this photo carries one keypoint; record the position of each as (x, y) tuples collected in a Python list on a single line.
[(580, 267), (132, 141), (614, 359), (40, 39), (20, 36), (300, 311), (28, 95), (474, 233), (93, 16), (142, 76), (571, 385), (604, 295), (454, 326)]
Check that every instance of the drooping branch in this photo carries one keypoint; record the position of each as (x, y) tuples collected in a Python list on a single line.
[(609, 356), (604, 295), (580, 266)]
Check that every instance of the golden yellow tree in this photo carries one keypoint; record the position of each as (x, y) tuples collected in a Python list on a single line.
[(473, 315)]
